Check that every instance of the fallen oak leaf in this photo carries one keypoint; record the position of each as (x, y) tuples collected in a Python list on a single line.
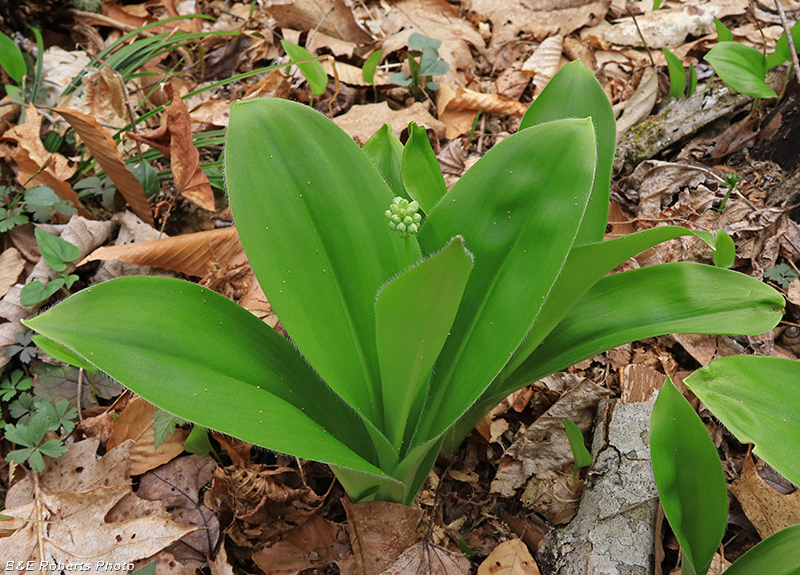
[(509, 558), (425, 558), (105, 151), (70, 528), (174, 139)]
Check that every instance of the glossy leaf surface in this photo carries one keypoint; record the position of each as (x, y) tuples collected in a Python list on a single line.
[(386, 152), (741, 67), (574, 92), (778, 554), (312, 71), (203, 358), (689, 477), (309, 211), (414, 314), (758, 400), (677, 75), (653, 301), (520, 236), (422, 176)]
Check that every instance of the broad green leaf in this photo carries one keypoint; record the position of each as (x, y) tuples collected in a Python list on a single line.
[(724, 33), (782, 53), (11, 59), (422, 176), (778, 554), (386, 152), (677, 75), (61, 353), (309, 208), (574, 92), (371, 63), (414, 314), (37, 292), (652, 301), (197, 355), (419, 41), (520, 234), (758, 400), (55, 251), (656, 4), (580, 454), (312, 71), (689, 477), (198, 442), (741, 67), (724, 250)]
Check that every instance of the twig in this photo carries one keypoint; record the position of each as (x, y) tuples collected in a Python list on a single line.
[(641, 36), (78, 399), (789, 39)]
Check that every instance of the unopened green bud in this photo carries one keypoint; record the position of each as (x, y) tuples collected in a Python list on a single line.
[(403, 216)]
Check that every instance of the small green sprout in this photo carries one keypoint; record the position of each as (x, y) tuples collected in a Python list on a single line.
[(403, 216), (732, 183)]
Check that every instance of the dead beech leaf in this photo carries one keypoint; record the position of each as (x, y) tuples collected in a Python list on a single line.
[(36, 165), (426, 558), (360, 122), (105, 151), (465, 99), (544, 62), (174, 139), (379, 532), (135, 423), (71, 528), (191, 254), (641, 103), (313, 544), (11, 265), (509, 558), (350, 74), (331, 17), (768, 510)]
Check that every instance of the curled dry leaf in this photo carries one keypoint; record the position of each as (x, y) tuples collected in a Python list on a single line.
[(350, 74), (768, 510), (314, 544), (71, 528), (331, 17), (191, 254), (36, 165), (641, 103), (428, 559), (174, 139), (544, 62), (360, 122), (73, 518), (509, 558), (458, 108), (11, 265), (135, 423)]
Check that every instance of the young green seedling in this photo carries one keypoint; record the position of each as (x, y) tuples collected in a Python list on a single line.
[(57, 253), (421, 71), (406, 342)]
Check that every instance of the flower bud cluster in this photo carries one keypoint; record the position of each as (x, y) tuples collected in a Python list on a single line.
[(403, 216)]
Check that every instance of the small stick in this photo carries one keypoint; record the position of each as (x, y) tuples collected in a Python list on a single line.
[(789, 38), (641, 36)]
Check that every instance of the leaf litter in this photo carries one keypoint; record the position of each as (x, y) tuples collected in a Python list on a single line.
[(269, 505)]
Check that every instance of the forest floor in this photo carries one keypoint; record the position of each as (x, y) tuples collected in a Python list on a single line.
[(241, 509)]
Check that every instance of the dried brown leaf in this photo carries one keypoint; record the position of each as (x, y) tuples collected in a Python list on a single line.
[(379, 532), (544, 62), (191, 254), (36, 165), (71, 528), (189, 179), (11, 265), (314, 544), (641, 103), (135, 423), (768, 510), (509, 558), (427, 559), (360, 122), (332, 17), (105, 151)]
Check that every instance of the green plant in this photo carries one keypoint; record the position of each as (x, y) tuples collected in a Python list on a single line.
[(781, 274), (677, 76), (39, 203), (30, 434), (424, 63), (12, 383), (13, 62), (309, 65), (757, 399), (368, 70), (744, 68), (57, 253), (580, 454), (506, 285)]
